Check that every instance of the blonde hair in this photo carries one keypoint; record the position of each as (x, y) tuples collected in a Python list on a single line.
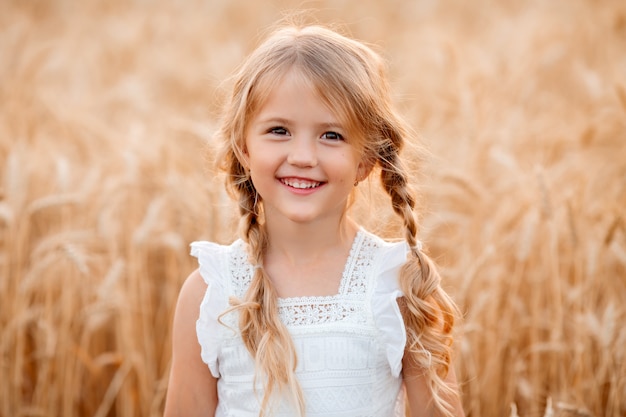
[(350, 78)]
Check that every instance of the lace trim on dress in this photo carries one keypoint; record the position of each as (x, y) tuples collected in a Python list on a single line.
[(322, 312), (306, 311), (240, 269)]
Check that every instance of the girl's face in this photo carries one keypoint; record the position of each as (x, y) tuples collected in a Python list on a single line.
[(300, 156)]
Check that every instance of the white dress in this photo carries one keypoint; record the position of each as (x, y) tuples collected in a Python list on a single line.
[(349, 346)]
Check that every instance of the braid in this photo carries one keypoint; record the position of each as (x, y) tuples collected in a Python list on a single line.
[(427, 310), (264, 335), (395, 182)]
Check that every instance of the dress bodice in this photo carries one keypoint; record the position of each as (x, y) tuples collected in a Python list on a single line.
[(349, 345)]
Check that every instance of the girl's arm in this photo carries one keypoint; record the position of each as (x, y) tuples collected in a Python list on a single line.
[(192, 390), (418, 394)]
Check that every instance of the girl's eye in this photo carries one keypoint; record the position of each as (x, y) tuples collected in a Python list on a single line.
[(278, 131), (332, 136)]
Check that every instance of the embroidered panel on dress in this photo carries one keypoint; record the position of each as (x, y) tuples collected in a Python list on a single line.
[(341, 355)]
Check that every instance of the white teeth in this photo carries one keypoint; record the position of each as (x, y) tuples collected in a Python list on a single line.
[(301, 184)]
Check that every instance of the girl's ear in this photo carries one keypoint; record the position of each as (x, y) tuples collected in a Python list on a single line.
[(365, 167), (243, 157)]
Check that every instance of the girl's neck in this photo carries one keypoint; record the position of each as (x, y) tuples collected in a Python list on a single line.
[(303, 243)]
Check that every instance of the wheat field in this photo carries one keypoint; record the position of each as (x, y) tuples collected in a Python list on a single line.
[(106, 111)]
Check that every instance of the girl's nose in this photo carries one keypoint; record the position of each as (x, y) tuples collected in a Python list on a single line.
[(302, 152)]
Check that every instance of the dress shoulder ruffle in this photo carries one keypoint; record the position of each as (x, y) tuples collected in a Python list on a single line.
[(212, 259), (384, 302)]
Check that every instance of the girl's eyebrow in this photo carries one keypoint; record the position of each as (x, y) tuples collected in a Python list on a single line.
[(332, 125), (276, 120), (283, 121)]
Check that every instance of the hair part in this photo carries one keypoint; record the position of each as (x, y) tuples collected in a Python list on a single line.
[(351, 79)]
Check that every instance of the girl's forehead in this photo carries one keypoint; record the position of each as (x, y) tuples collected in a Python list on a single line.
[(323, 89)]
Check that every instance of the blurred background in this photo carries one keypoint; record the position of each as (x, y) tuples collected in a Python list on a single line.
[(106, 111)]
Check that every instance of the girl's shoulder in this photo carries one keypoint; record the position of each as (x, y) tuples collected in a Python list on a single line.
[(202, 248), (216, 259), (386, 254)]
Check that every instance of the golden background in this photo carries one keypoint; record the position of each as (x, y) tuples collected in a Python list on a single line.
[(106, 108)]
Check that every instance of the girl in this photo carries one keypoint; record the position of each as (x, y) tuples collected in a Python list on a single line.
[(308, 313)]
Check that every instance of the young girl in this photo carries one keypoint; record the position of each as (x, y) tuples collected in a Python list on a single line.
[(308, 313)]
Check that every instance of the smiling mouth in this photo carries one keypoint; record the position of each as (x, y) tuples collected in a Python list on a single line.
[(300, 184)]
